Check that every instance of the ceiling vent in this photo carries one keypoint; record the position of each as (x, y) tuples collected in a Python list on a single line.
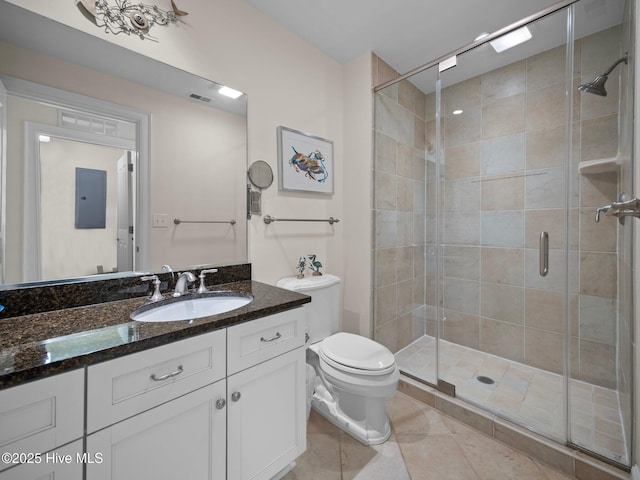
[(195, 96)]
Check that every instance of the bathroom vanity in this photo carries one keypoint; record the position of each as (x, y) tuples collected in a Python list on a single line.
[(213, 398)]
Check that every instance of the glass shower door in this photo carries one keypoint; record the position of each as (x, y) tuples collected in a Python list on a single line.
[(503, 236)]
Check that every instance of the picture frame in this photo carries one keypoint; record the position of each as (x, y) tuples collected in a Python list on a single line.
[(305, 162)]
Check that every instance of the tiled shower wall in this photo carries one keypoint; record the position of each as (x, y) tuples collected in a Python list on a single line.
[(503, 182), (399, 211)]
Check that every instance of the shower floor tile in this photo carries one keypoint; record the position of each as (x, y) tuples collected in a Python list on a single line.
[(522, 394)]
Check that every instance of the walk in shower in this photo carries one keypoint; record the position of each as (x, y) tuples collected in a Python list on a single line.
[(492, 277)]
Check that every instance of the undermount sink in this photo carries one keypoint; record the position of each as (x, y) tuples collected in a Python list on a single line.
[(190, 307)]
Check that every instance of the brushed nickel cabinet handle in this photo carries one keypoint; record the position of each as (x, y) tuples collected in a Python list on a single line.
[(271, 339), (166, 376)]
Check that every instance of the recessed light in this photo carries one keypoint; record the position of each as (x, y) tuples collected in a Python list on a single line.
[(229, 92), (511, 39), (457, 112)]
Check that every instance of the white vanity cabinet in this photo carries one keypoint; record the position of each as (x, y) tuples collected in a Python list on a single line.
[(228, 404), (164, 412), (266, 418), (38, 417)]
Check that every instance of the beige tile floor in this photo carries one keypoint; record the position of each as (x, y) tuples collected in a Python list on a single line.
[(425, 445), (525, 395)]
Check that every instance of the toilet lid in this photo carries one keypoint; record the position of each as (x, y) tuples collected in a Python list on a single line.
[(356, 351)]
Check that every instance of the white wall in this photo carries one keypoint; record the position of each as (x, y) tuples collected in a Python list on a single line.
[(358, 153), (288, 83)]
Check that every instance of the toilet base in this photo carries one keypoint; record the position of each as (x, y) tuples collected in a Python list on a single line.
[(325, 404)]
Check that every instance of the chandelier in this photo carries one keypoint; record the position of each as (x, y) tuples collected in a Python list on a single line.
[(123, 16)]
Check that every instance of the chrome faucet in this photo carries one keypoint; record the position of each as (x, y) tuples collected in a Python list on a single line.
[(182, 284)]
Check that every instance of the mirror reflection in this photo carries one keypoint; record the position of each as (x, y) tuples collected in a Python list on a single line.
[(98, 164)]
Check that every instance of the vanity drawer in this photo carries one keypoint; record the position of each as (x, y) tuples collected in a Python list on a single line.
[(39, 416), (254, 342), (123, 387)]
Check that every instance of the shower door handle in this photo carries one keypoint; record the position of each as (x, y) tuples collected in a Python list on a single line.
[(544, 253)]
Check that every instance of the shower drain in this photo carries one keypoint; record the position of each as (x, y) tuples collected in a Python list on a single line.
[(486, 380)]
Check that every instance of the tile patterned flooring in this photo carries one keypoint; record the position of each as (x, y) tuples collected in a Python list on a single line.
[(525, 395), (425, 445)]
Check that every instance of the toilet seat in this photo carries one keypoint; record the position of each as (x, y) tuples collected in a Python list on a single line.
[(356, 354)]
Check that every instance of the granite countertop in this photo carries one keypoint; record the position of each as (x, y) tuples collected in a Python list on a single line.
[(42, 344)]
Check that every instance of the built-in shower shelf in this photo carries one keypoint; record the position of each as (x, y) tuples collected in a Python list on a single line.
[(601, 165)]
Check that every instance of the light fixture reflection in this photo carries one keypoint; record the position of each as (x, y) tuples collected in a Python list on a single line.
[(511, 39), (229, 92), (457, 112), (44, 138)]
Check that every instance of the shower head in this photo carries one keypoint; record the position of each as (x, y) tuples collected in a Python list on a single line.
[(596, 86)]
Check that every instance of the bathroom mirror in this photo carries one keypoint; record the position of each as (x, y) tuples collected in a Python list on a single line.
[(261, 174), (158, 143)]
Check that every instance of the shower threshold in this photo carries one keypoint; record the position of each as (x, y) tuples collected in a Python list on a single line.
[(525, 395)]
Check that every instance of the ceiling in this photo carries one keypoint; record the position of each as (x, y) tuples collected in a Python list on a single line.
[(409, 33)]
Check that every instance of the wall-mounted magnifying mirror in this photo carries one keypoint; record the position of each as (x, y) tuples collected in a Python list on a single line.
[(261, 176)]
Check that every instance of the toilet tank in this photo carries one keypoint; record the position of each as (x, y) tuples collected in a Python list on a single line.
[(323, 313)]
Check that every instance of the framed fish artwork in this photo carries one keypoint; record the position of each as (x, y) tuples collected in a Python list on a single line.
[(305, 162)]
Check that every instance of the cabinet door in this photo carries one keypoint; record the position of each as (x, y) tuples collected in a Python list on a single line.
[(64, 462), (266, 417), (40, 416), (181, 439)]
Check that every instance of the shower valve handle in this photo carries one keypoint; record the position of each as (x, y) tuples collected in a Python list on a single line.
[(600, 210), (623, 208)]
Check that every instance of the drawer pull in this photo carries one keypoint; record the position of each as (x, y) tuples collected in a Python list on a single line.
[(167, 375), (271, 339), (220, 403), (235, 396)]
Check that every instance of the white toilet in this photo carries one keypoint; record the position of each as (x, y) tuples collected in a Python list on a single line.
[(354, 375)]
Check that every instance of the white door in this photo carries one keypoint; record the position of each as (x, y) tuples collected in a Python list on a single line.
[(125, 220), (181, 439), (266, 417)]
